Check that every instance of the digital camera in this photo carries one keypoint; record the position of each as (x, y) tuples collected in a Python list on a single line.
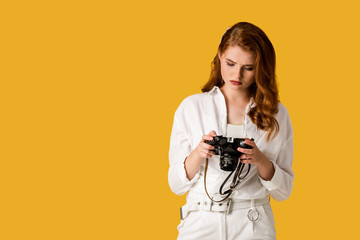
[(226, 147)]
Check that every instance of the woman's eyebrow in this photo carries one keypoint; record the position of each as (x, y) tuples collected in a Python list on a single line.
[(248, 65), (230, 60)]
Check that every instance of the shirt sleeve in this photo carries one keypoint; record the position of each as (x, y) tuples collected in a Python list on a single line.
[(180, 148), (281, 184)]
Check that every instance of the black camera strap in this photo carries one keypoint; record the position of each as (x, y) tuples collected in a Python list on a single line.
[(230, 190), (236, 180)]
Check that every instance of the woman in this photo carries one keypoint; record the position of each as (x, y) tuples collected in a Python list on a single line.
[(240, 100)]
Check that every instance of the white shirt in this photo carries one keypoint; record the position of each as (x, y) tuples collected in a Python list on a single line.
[(235, 130), (201, 113)]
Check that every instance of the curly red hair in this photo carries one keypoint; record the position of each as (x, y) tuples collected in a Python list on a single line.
[(264, 90)]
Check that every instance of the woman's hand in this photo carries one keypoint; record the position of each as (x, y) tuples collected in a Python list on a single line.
[(206, 150), (196, 157), (254, 156)]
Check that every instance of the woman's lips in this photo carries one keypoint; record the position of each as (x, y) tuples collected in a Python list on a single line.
[(235, 83)]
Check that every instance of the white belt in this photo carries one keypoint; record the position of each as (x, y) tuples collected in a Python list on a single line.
[(225, 207)]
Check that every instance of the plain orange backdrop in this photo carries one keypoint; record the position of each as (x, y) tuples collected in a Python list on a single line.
[(88, 93)]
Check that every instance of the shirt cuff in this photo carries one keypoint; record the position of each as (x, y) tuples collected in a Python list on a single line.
[(184, 178), (275, 181)]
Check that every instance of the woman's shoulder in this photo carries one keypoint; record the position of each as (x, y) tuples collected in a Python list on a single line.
[(282, 110), (194, 100), (283, 118), (192, 106), (199, 99)]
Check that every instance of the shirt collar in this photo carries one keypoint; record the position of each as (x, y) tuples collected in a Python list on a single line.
[(215, 88), (250, 105)]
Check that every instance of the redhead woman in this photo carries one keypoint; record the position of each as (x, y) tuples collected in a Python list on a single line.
[(231, 146)]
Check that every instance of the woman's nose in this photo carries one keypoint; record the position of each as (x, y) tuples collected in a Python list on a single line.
[(239, 74)]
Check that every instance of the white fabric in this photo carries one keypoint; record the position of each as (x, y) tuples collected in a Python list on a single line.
[(227, 206), (212, 225), (235, 131), (196, 116)]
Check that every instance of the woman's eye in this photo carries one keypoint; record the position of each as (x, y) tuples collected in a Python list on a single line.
[(229, 64), (249, 69)]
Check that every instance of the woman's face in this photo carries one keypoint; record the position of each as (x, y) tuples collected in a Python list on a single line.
[(237, 68)]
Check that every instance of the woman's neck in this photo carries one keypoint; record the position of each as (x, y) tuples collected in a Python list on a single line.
[(233, 96)]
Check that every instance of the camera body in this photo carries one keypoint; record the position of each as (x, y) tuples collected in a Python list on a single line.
[(226, 147)]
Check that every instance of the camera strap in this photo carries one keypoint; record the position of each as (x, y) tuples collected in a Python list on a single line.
[(229, 192), (236, 180)]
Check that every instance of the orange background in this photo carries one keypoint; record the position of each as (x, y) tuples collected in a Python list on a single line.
[(88, 93)]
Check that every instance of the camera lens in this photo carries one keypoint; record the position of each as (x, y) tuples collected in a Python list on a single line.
[(228, 162), (222, 142)]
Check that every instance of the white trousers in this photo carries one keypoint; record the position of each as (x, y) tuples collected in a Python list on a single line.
[(236, 225)]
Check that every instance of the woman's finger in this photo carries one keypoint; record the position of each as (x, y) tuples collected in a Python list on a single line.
[(245, 156), (246, 151), (250, 143), (212, 133), (206, 154), (207, 137), (206, 146), (246, 161)]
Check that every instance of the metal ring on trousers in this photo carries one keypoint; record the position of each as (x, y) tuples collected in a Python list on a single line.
[(251, 217)]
